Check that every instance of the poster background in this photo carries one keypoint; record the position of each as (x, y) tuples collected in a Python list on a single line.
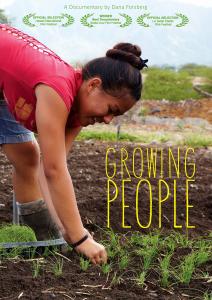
[(162, 45)]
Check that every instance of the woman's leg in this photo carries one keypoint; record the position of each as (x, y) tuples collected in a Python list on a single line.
[(23, 152), (33, 210), (25, 159)]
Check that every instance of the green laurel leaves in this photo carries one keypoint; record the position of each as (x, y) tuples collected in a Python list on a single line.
[(84, 20), (140, 20), (70, 20), (26, 20), (184, 20), (128, 20)]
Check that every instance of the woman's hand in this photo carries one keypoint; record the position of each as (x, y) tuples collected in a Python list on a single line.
[(93, 250)]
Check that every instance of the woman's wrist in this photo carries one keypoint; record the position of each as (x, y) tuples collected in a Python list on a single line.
[(84, 238), (75, 237)]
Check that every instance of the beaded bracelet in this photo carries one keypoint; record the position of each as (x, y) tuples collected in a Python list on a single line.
[(80, 241)]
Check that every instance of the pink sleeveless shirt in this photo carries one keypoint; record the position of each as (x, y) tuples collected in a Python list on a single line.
[(25, 62)]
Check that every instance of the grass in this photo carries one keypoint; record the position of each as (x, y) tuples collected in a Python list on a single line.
[(111, 136), (167, 83), (16, 233), (198, 70), (193, 140), (197, 140), (206, 88), (106, 136)]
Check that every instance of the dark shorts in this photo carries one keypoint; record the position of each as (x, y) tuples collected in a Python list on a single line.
[(11, 132)]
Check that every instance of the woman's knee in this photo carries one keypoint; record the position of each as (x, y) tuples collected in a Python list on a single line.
[(23, 155)]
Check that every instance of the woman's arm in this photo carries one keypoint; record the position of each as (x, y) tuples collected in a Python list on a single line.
[(51, 118), (70, 135)]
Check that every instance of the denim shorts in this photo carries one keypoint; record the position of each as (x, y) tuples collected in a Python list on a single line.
[(12, 132)]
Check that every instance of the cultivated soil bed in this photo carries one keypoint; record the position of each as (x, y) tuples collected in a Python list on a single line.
[(87, 167)]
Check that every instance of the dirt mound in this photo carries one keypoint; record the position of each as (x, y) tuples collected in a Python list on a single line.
[(188, 108)]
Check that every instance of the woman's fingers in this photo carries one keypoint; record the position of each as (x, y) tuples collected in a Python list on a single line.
[(104, 256), (101, 258)]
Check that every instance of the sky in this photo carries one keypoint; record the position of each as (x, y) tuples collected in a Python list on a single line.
[(162, 45)]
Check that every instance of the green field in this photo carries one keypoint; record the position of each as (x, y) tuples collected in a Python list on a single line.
[(174, 85)]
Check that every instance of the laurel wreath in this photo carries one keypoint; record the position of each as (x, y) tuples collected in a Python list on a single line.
[(184, 20), (140, 20), (128, 20), (27, 21), (70, 20), (84, 20)]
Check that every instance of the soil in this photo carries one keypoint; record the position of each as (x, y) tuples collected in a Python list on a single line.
[(181, 109), (87, 167)]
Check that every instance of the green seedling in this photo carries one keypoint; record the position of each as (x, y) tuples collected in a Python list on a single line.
[(182, 240), (186, 269), (149, 250), (201, 257), (58, 267), (148, 257), (200, 244), (106, 268), (169, 243), (124, 261), (116, 279), (84, 264), (36, 268), (145, 240), (141, 279), (164, 267), (207, 296), (113, 244), (47, 252)]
